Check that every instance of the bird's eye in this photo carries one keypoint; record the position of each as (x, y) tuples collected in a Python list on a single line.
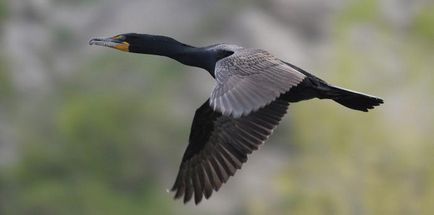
[(119, 37)]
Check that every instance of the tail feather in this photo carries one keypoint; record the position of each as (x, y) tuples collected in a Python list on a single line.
[(353, 100)]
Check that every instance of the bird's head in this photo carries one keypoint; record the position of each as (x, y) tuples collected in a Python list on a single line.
[(123, 42), (159, 45), (136, 43)]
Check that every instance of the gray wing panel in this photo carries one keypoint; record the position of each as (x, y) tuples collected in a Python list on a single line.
[(250, 79)]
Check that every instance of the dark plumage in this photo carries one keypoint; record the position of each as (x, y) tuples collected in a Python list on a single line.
[(252, 94)]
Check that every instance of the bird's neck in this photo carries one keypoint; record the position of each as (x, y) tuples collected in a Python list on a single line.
[(185, 54)]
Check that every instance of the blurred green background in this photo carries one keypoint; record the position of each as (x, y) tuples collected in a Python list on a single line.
[(88, 130)]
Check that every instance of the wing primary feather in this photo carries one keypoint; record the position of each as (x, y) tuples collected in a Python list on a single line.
[(189, 186), (256, 130), (230, 158), (248, 135), (212, 175), (260, 121), (218, 169), (228, 168), (247, 141), (244, 146), (235, 148), (179, 186), (207, 187), (232, 148), (197, 183)]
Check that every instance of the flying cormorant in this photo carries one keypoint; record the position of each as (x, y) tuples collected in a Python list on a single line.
[(252, 94)]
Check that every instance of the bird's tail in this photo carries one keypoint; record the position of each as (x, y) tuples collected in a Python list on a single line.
[(351, 99)]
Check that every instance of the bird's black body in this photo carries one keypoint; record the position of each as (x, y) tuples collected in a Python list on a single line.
[(253, 92)]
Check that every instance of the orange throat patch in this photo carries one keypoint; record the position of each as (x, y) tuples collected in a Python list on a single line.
[(122, 47)]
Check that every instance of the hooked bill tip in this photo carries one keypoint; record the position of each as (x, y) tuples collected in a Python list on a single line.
[(95, 40), (92, 41)]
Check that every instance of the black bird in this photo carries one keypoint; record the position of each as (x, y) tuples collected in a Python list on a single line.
[(252, 94)]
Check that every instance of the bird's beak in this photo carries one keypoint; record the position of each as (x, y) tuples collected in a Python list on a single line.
[(117, 42)]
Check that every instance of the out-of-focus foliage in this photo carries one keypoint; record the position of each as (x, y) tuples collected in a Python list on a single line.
[(424, 24), (371, 167), (104, 131), (3, 10), (5, 80)]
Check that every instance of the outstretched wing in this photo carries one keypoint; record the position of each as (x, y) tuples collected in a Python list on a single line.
[(219, 145), (250, 79)]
